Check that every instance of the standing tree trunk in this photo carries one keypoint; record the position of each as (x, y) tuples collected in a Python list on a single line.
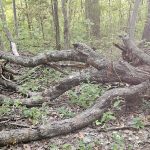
[(28, 18), (6, 30), (42, 27), (1, 44), (15, 17), (66, 24), (146, 32), (92, 12), (133, 18), (56, 23)]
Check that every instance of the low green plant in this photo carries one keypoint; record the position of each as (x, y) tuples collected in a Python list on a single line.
[(137, 123), (36, 77), (146, 104), (31, 85), (84, 146), (5, 109), (86, 95), (107, 116), (65, 112), (35, 114), (67, 147), (118, 142), (53, 147), (117, 103)]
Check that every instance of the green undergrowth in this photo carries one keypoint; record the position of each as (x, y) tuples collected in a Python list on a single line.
[(85, 94), (38, 78)]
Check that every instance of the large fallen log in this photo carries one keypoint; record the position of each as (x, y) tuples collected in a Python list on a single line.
[(70, 125), (132, 54), (100, 70), (43, 58)]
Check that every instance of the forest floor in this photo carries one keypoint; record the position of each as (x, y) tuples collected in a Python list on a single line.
[(125, 126)]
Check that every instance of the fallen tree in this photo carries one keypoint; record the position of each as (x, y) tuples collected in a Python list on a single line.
[(133, 68), (73, 124)]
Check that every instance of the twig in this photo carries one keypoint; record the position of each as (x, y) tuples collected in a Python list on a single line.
[(120, 128)]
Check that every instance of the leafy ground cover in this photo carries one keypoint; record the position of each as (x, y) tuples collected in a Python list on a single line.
[(123, 126)]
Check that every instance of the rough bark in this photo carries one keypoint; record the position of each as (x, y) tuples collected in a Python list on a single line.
[(44, 58), (92, 12), (70, 125), (100, 70), (15, 17), (146, 32), (29, 22), (34, 101), (66, 24), (1, 44), (133, 18), (56, 23), (132, 53)]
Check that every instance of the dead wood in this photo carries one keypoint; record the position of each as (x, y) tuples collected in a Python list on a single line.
[(133, 54), (29, 102), (122, 73), (9, 84), (100, 70), (44, 58), (70, 125)]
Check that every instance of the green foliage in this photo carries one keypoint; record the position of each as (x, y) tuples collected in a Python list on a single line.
[(118, 142), (37, 78), (117, 103), (138, 123), (30, 86), (86, 95), (107, 116), (35, 114), (67, 147), (41, 35), (84, 146), (53, 147), (146, 105), (65, 112), (5, 109)]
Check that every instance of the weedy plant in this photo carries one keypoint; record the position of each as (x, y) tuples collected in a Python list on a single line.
[(84, 146), (5, 109), (107, 116), (37, 78), (118, 142), (85, 96), (65, 112), (35, 114), (138, 123), (117, 103)]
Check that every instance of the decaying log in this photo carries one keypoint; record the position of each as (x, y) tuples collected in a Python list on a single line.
[(9, 84), (70, 125), (33, 101), (123, 73), (100, 70), (133, 54), (43, 58)]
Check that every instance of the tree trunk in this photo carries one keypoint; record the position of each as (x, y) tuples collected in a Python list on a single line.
[(56, 23), (6, 30), (66, 24), (42, 27), (92, 12), (15, 17), (146, 32), (133, 18), (1, 44), (28, 18)]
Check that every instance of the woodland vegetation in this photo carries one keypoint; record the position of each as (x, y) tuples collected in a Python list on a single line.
[(66, 65)]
